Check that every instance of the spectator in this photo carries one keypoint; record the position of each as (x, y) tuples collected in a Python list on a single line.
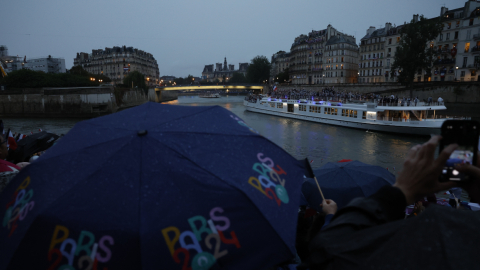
[(440, 101), (7, 170), (418, 179)]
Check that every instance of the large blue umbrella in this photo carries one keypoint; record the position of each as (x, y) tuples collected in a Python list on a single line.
[(154, 187), (345, 181)]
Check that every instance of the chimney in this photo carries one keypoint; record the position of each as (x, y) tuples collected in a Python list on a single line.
[(371, 30), (388, 26), (443, 10), (415, 18)]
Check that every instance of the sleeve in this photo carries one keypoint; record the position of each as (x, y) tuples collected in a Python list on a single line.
[(328, 218), (386, 205)]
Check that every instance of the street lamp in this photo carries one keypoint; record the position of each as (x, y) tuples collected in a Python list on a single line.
[(456, 73)]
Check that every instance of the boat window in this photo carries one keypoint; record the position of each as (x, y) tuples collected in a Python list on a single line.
[(349, 113), (280, 105), (302, 108), (315, 109), (364, 115), (332, 111), (272, 104)]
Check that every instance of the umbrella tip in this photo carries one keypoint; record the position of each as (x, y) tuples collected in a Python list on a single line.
[(142, 132)]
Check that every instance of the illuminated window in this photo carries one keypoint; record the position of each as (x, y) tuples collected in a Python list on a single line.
[(467, 47)]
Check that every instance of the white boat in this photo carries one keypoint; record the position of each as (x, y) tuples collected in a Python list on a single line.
[(208, 95), (421, 119)]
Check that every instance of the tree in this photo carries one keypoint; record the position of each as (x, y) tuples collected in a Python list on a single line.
[(259, 70), (138, 80), (283, 76), (238, 77), (413, 52)]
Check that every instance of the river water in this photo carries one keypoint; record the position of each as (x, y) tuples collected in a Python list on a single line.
[(319, 142)]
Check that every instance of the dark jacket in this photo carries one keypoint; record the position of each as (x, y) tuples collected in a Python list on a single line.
[(388, 204)]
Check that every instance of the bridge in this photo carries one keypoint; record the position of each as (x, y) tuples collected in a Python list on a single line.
[(171, 92)]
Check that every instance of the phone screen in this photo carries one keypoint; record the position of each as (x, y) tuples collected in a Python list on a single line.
[(466, 135)]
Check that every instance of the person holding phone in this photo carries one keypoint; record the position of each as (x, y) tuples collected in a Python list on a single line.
[(419, 177)]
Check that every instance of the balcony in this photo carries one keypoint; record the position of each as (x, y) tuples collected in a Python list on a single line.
[(444, 62), (475, 50), (476, 37)]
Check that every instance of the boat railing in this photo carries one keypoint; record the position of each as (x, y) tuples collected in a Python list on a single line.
[(410, 104)]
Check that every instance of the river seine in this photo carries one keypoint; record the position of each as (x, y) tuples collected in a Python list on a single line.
[(319, 142)]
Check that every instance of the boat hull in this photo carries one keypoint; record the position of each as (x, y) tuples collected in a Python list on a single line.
[(380, 126)]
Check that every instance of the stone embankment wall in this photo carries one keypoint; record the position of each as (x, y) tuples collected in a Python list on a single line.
[(81, 102)]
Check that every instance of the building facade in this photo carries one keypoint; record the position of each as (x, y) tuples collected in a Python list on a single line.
[(310, 58), (221, 73), (47, 65), (457, 49), (117, 62), (340, 60), (280, 63)]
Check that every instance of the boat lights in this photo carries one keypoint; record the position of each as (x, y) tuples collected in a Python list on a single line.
[(339, 104), (329, 104), (371, 115)]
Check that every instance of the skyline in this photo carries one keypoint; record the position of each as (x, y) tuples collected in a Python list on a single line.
[(186, 35)]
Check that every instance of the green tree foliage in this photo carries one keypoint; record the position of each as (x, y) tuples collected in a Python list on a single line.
[(78, 70), (258, 70), (25, 78), (138, 80), (237, 77), (413, 52), (282, 77)]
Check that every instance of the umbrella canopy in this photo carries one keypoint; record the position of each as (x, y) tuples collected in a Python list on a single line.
[(345, 181), (439, 238), (155, 186)]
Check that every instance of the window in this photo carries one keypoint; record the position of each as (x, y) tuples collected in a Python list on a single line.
[(467, 47), (389, 41), (448, 36), (398, 39), (441, 37), (332, 111), (349, 113), (315, 109), (471, 22), (302, 108), (272, 104), (469, 33), (456, 35), (280, 105), (465, 61), (462, 74)]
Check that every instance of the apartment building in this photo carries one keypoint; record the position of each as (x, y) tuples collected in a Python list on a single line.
[(280, 62), (310, 57), (117, 62), (340, 60)]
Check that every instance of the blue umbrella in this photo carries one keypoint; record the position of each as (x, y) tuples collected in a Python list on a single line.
[(345, 181), (154, 187)]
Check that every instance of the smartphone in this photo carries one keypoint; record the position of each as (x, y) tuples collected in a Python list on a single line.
[(465, 133)]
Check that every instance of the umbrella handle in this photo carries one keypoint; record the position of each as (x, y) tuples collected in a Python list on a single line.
[(319, 189)]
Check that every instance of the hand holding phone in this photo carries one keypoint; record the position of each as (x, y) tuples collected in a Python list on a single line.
[(465, 133)]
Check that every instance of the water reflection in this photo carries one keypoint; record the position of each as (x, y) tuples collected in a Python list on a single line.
[(319, 142)]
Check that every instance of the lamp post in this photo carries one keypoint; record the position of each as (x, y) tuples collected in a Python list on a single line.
[(456, 68)]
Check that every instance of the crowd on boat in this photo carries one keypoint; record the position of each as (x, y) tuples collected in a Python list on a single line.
[(326, 93), (329, 93)]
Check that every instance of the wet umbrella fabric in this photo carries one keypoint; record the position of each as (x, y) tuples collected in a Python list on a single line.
[(155, 186), (439, 238), (345, 181)]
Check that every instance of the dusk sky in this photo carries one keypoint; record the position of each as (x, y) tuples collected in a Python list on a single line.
[(186, 35)]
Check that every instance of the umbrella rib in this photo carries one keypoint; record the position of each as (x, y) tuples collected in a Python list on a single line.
[(90, 146)]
